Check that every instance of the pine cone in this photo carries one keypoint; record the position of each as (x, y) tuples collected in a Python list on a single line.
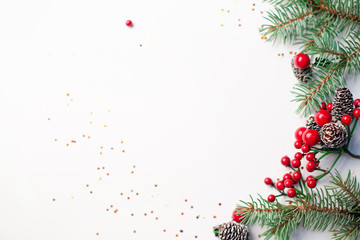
[(232, 231), (303, 75), (311, 124), (334, 135), (343, 103)]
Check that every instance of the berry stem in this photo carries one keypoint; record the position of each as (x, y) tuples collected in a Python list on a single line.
[(326, 173), (281, 193), (316, 150), (327, 153), (319, 169)]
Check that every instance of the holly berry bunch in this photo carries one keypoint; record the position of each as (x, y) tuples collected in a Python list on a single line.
[(328, 131)]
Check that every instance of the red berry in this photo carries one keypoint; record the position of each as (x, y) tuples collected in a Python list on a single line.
[(285, 161), (237, 217), (295, 163), (296, 176), (309, 177), (271, 198), (322, 106), (357, 102), (346, 119), (287, 176), (298, 156), (356, 112), (322, 117), (291, 192), (268, 181), (311, 183), (310, 156), (310, 166), (298, 144), (302, 61), (280, 185), (329, 107), (311, 137), (288, 183), (129, 23), (299, 133), (305, 148)]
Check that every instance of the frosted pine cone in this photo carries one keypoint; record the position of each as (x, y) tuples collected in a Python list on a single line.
[(311, 124), (232, 231), (343, 103), (334, 135), (303, 75)]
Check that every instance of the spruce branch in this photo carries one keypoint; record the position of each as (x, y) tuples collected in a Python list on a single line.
[(322, 85), (287, 24), (345, 58), (351, 232), (339, 9), (327, 29), (349, 189), (311, 41), (335, 208)]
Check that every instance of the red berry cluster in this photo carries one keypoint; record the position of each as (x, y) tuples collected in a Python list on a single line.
[(305, 140), (356, 111)]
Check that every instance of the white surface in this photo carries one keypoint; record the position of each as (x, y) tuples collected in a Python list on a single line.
[(203, 109)]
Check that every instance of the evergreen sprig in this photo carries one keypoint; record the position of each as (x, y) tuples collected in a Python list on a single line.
[(335, 207), (326, 29)]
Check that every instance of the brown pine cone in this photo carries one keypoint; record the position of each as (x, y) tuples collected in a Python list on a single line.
[(334, 135), (343, 103)]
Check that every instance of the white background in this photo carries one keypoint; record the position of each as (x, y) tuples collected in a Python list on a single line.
[(203, 111)]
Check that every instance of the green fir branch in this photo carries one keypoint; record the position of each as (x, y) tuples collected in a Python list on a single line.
[(345, 58), (348, 9), (323, 84), (348, 232), (320, 209), (326, 29), (349, 190), (287, 22)]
